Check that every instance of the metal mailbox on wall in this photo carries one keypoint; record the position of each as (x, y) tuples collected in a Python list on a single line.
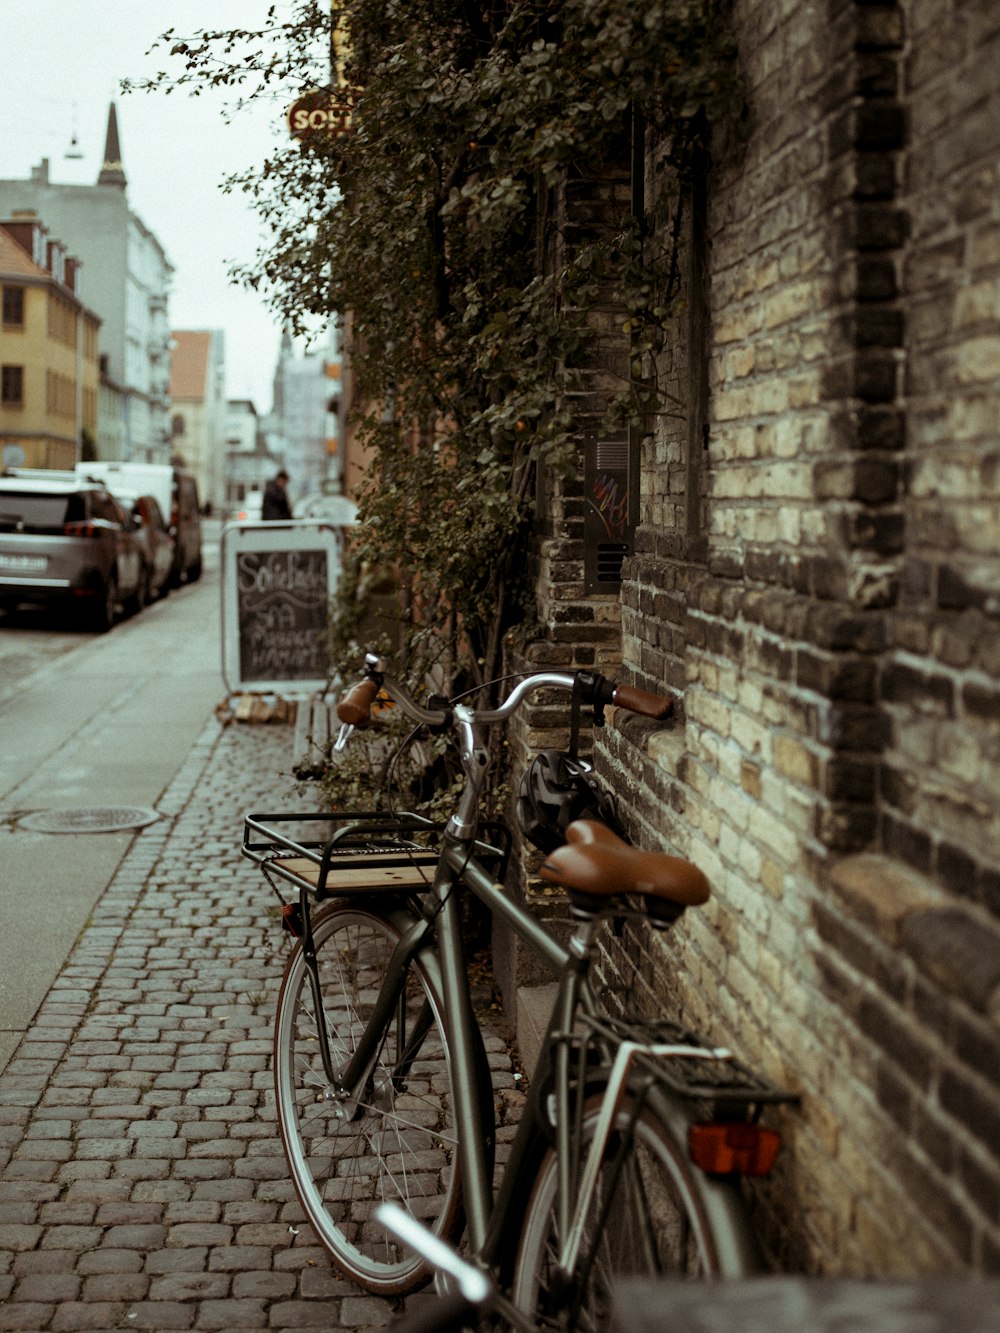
[(277, 582)]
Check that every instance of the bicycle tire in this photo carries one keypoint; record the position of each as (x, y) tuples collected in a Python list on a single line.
[(656, 1225), (401, 1143)]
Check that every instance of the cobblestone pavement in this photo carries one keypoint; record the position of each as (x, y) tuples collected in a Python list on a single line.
[(142, 1181)]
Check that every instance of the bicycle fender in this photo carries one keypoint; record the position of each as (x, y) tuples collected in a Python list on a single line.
[(720, 1197)]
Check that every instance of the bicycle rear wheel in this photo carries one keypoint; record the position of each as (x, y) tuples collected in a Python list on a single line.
[(646, 1219), (399, 1144)]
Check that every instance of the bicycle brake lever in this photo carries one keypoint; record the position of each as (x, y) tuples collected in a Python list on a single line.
[(343, 736)]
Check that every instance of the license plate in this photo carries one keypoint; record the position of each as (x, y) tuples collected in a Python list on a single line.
[(22, 564)]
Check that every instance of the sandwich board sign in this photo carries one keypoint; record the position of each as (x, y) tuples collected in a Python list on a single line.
[(277, 582)]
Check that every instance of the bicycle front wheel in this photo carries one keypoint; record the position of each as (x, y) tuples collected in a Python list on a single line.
[(645, 1220), (398, 1141)]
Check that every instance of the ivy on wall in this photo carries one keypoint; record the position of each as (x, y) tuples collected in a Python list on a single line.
[(424, 217)]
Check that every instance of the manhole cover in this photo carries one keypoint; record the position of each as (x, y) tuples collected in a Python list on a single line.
[(90, 819)]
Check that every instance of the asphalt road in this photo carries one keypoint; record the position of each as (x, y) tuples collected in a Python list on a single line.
[(89, 720)]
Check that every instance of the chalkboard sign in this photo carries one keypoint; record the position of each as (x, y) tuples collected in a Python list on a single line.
[(277, 581)]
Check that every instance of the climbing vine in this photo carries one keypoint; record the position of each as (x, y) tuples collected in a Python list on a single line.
[(428, 219)]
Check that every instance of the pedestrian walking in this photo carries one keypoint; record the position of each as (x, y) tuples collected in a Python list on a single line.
[(275, 504)]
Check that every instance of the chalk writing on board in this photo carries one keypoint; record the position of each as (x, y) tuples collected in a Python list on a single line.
[(282, 611)]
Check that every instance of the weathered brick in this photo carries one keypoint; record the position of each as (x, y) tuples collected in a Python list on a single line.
[(958, 951), (972, 1103), (897, 1037), (925, 690)]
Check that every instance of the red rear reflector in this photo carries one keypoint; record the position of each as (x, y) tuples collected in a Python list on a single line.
[(721, 1150), (79, 530)]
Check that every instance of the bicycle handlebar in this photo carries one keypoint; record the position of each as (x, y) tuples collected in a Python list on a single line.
[(643, 702), (355, 709)]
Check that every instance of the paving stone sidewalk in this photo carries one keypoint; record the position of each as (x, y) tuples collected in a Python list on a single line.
[(142, 1182)]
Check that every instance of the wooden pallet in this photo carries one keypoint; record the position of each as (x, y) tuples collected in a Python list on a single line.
[(315, 724)]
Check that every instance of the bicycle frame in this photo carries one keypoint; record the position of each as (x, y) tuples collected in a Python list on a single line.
[(430, 931), (485, 1215)]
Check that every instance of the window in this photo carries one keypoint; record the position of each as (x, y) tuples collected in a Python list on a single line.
[(39, 513), (13, 307), (12, 386), (62, 320), (103, 506), (60, 395)]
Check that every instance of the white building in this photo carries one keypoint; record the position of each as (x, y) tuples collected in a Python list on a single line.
[(305, 386), (250, 464), (125, 278)]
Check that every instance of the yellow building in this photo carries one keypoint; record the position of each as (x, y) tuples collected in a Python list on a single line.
[(49, 370)]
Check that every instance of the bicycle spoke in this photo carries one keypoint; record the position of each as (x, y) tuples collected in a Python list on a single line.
[(643, 1220), (395, 1141)]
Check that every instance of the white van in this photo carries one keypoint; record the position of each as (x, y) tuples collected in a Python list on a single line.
[(177, 495)]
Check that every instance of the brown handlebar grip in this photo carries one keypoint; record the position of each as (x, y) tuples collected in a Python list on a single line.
[(642, 701), (356, 706)]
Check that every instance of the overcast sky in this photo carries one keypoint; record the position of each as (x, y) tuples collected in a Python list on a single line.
[(64, 60)]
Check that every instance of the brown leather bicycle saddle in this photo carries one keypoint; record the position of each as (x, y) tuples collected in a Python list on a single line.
[(595, 861)]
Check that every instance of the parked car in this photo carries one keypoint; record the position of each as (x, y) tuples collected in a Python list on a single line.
[(158, 545), (332, 507), (175, 492), (66, 540)]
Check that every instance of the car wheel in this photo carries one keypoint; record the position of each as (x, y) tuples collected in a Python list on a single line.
[(194, 571), (102, 615), (141, 595)]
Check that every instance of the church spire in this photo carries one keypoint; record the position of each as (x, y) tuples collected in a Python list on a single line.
[(112, 172)]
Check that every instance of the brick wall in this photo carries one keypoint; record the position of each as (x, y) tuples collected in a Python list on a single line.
[(576, 629), (941, 688), (817, 582)]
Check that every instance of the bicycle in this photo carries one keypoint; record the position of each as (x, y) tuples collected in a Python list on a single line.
[(635, 1132)]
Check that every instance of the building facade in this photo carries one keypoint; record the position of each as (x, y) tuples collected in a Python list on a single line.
[(125, 278), (48, 351), (813, 576), (198, 409), (250, 464), (306, 413)]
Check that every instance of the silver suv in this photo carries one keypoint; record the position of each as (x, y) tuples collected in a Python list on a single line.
[(65, 539)]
